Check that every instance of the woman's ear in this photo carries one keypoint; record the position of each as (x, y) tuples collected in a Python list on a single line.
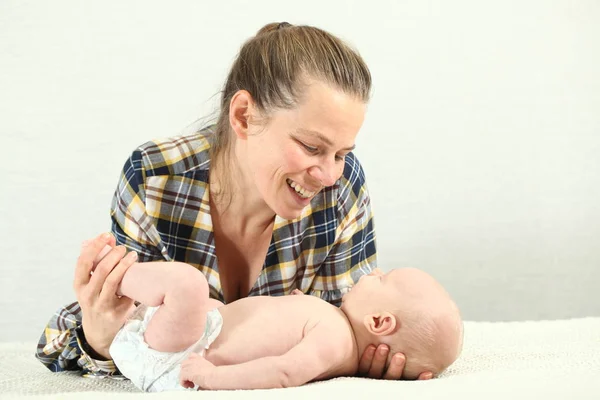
[(381, 324), (240, 107)]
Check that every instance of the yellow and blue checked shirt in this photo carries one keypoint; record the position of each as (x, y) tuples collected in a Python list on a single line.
[(161, 210)]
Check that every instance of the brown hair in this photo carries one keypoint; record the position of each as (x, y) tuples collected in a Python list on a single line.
[(273, 66)]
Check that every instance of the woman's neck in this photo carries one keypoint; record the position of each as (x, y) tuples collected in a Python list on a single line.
[(235, 199)]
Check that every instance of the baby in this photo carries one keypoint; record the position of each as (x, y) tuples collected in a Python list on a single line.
[(179, 338)]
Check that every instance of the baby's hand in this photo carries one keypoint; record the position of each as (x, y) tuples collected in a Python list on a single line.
[(296, 291), (194, 372)]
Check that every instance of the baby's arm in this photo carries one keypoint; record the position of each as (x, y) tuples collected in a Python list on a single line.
[(315, 357)]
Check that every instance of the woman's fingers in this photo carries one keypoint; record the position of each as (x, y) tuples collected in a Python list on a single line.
[(396, 367), (366, 359), (372, 361), (114, 278), (104, 267), (424, 376), (85, 262), (108, 247), (378, 364), (112, 241)]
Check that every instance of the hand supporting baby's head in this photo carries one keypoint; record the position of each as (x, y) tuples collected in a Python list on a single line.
[(410, 311)]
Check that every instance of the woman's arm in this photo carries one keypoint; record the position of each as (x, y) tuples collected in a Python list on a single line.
[(78, 335), (63, 345), (103, 312)]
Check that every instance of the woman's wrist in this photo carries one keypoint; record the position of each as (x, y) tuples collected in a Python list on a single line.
[(96, 352)]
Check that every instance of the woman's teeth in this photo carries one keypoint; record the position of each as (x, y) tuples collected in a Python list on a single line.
[(299, 189)]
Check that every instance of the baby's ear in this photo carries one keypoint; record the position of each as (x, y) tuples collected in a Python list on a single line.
[(381, 324)]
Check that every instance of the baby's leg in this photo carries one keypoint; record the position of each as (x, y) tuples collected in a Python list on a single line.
[(180, 291)]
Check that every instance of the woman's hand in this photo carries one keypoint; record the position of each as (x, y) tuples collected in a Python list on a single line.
[(373, 360), (103, 311)]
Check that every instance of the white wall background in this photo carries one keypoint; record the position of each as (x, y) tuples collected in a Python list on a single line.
[(481, 144)]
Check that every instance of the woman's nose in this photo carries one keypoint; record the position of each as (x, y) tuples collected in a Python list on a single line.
[(327, 173)]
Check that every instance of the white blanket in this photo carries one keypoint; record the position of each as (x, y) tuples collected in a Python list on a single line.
[(508, 360)]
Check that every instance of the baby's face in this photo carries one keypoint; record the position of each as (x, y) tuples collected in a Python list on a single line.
[(373, 290)]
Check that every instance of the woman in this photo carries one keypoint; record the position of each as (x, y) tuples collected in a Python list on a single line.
[(271, 191)]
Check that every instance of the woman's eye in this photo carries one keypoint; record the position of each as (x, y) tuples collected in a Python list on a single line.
[(315, 150), (310, 149)]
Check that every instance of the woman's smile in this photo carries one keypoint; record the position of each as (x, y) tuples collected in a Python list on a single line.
[(300, 195), (301, 190)]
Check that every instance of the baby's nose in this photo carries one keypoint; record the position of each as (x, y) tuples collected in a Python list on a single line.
[(376, 272)]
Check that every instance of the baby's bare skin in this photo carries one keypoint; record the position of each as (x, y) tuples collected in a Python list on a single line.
[(263, 326), (270, 342), (264, 341)]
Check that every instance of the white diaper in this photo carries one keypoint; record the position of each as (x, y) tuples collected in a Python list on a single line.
[(151, 370)]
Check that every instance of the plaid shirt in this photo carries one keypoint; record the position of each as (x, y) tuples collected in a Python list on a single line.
[(161, 210)]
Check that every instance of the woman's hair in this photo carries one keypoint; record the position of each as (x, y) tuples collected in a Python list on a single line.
[(275, 65)]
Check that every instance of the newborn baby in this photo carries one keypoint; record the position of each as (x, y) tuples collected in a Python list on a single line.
[(179, 338)]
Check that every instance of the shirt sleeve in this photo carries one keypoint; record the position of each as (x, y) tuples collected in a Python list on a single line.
[(61, 345), (353, 253)]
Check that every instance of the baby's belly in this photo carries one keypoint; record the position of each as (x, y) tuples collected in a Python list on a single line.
[(245, 343), (262, 326)]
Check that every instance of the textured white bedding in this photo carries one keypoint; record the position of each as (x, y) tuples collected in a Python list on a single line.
[(514, 360)]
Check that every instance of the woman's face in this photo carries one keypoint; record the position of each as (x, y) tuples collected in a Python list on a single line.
[(302, 150)]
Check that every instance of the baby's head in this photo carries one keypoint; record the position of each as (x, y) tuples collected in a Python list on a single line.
[(408, 310)]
